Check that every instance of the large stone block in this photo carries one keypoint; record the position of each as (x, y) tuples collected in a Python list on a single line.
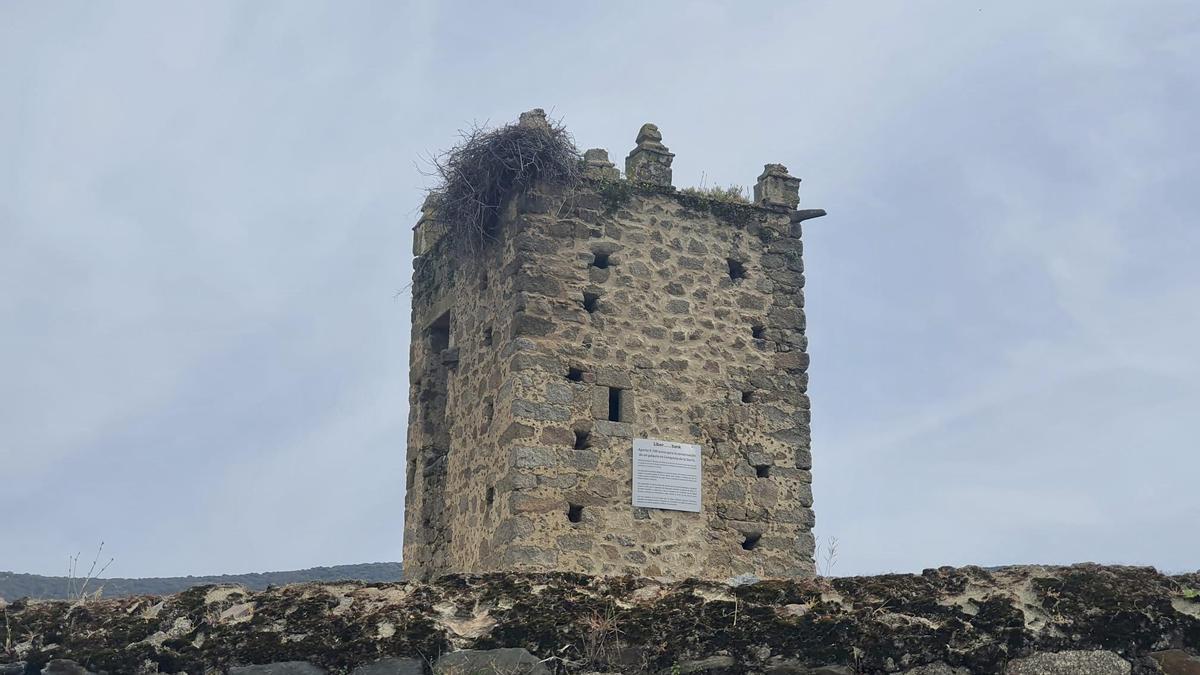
[(281, 668), (1069, 663), (508, 661), (392, 666)]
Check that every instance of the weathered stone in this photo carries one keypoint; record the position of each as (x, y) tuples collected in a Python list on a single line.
[(793, 667), (528, 458), (1177, 662), (17, 668), (528, 324), (535, 118), (775, 188), (540, 411), (732, 491), (584, 459), (392, 666), (781, 626), (576, 542), (619, 429), (679, 307), (508, 661), (597, 165), (938, 668), (533, 282), (1069, 663), (712, 664), (529, 555), (560, 482), (650, 161), (68, 667), (282, 668), (526, 503), (512, 529)]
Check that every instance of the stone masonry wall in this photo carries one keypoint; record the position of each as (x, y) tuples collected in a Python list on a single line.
[(692, 308), (1080, 620)]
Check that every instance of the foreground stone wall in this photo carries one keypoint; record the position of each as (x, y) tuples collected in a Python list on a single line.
[(610, 311), (1018, 621)]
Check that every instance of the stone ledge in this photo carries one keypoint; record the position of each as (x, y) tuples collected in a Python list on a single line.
[(958, 621)]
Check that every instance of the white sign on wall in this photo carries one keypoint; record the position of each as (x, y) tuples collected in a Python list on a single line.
[(666, 475)]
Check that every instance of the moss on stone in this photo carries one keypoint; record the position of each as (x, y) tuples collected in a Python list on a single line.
[(969, 617)]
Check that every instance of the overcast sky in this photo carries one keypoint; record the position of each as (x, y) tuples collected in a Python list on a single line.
[(205, 214)]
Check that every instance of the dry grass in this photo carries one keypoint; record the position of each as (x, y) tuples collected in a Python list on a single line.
[(734, 194)]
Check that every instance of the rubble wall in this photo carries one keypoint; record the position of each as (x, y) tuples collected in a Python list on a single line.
[(970, 621)]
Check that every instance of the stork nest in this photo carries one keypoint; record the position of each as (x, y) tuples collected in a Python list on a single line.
[(489, 167)]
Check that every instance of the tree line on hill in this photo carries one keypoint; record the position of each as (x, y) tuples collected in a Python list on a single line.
[(14, 585)]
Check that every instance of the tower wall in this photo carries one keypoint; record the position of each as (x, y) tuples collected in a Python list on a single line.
[(690, 308)]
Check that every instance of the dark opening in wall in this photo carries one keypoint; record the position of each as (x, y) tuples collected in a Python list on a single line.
[(574, 512), (749, 396), (439, 333), (762, 470), (483, 281), (614, 404), (575, 374), (600, 260), (758, 332), (591, 302), (412, 474), (736, 269), (487, 336), (751, 540), (583, 439)]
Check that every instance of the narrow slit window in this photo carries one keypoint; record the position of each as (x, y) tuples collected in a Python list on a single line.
[(574, 512), (591, 302), (491, 495), (600, 260), (750, 542), (737, 270), (583, 439), (614, 404), (439, 333)]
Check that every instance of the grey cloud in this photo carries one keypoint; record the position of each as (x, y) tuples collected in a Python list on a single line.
[(205, 212)]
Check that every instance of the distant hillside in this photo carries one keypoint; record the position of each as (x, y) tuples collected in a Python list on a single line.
[(14, 585)]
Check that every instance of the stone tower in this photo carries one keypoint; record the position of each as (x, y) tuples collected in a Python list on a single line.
[(613, 314)]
